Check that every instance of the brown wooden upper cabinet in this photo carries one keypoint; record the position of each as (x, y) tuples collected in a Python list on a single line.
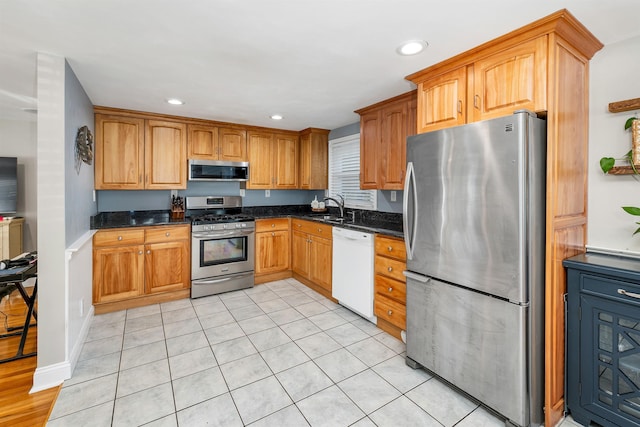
[(273, 160), (216, 143), (542, 67), (384, 128), (133, 153), (492, 86), (314, 159)]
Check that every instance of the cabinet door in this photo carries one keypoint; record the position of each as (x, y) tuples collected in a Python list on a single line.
[(165, 155), (118, 273), (304, 177), (441, 101), (167, 266), (260, 160), (119, 153), (511, 80), (202, 142), (272, 252), (320, 258), (369, 148), (314, 159), (394, 141), (233, 144), (285, 158), (300, 253)]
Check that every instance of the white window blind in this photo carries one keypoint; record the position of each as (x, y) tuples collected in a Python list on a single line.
[(344, 173)]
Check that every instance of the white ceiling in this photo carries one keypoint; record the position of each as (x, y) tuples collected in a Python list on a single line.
[(313, 61)]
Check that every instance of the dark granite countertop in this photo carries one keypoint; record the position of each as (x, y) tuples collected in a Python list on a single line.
[(371, 221), (133, 219)]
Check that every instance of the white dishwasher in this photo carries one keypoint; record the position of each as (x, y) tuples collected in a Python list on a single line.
[(352, 277)]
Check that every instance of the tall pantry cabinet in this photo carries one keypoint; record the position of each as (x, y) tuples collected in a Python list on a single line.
[(542, 67)]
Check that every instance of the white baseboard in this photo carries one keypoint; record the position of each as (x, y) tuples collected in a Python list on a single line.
[(82, 337), (50, 376)]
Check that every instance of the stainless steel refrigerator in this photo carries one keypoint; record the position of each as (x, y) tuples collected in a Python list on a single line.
[(474, 212)]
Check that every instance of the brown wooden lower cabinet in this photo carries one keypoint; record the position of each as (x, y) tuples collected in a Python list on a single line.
[(138, 266), (390, 297), (312, 255), (273, 250)]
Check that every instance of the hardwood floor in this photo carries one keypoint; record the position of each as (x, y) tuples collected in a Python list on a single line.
[(18, 408)]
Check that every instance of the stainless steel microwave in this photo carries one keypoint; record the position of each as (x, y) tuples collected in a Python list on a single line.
[(217, 170)]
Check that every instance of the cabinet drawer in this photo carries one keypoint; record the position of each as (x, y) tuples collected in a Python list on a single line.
[(166, 234), (391, 311), (272, 224), (393, 248), (118, 237), (391, 288), (610, 288), (312, 227), (390, 268)]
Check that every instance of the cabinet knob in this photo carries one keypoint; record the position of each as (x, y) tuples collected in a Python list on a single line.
[(273, 225), (139, 252), (167, 234), (319, 230), (390, 269), (390, 289), (119, 237), (273, 234), (390, 248), (148, 252), (390, 312)]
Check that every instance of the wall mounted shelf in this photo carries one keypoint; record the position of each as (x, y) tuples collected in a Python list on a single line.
[(626, 105)]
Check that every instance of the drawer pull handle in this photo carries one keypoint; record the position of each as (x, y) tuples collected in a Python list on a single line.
[(390, 248), (628, 294), (167, 234), (390, 269), (119, 237), (390, 289), (390, 312)]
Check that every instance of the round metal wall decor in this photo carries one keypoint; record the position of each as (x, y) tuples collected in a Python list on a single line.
[(84, 150)]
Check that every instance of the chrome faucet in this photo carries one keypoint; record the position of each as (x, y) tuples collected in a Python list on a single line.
[(339, 203)]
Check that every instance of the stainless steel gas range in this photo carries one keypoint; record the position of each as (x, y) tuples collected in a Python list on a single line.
[(222, 245)]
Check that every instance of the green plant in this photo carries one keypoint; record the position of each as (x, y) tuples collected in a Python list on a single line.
[(607, 163)]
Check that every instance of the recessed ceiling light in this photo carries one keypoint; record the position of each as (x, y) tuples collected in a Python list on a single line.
[(412, 47), (276, 117), (175, 101)]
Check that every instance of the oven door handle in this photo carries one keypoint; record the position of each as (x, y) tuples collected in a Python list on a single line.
[(223, 234), (224, 279)]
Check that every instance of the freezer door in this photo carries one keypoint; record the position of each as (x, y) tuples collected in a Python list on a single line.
[(476, 342), (474, 203)]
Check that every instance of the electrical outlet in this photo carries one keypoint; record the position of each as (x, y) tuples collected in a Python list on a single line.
[(393, 196), (81, 307), (242, 192), (94, 195), (267, 193), (174, 193)]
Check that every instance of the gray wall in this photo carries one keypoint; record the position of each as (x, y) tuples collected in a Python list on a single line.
[(79, 204)]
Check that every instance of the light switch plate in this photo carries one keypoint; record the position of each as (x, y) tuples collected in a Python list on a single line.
[(393, 196), (267, 193)]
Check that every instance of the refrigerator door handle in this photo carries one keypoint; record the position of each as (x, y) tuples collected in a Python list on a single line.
[(409, 228), (417, 277)]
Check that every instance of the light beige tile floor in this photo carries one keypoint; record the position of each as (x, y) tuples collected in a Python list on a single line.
[(278, 354)]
